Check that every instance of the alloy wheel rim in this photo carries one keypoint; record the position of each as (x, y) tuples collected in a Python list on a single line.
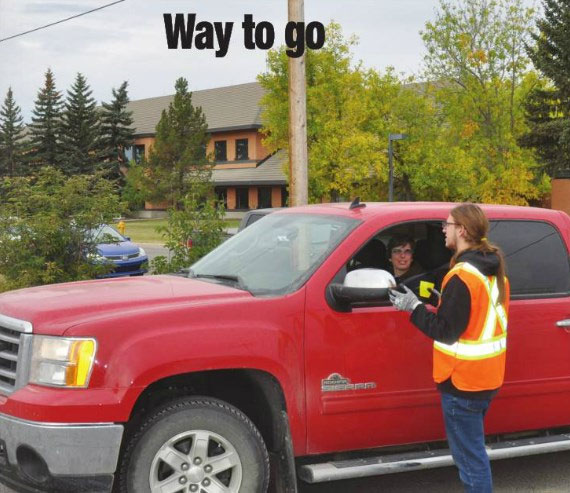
[(196, 461)]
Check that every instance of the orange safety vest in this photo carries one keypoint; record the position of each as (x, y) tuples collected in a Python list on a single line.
[(477, 360)]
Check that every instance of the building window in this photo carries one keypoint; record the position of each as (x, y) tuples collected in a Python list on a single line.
[(138, 153), (135, 153), (220, 149), (241, 150), (284, 197), (222, 196), (263, 197), (242, 198)]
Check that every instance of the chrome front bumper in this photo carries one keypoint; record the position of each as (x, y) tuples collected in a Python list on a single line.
[(67, 449)]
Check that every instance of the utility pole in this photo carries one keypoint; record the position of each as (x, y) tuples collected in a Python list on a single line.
[(392, 138), (298, 182)]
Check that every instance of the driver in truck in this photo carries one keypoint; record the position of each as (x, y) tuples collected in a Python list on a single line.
[(470, 334), (401, 258)]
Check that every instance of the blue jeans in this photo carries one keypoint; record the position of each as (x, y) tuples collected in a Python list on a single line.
[(466, 437)]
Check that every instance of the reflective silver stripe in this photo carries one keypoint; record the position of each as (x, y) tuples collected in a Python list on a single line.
[(474, 351)]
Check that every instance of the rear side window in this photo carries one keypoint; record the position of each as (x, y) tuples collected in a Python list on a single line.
[(253, 218), (537, 259)]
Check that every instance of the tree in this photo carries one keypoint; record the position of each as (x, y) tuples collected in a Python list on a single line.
[(552, 49), (476, 52), (427, 165), (479, 46), (346, 128), (350, 113), (80, 130), (462, 127), (116, 132), (44, 130), (45, 224), (548, 106), (177, 161), (11, 135), (190, 233)]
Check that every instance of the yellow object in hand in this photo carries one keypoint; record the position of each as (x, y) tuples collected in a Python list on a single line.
[(425, 288)]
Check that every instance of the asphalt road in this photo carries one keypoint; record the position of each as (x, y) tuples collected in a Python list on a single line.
[(548, 473), (154, 249)]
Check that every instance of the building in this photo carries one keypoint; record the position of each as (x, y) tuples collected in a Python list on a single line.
[(246, 176)]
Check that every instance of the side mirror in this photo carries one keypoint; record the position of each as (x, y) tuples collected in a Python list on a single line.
[(361, 287)]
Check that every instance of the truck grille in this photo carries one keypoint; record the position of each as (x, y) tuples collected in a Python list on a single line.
[(12, 345)]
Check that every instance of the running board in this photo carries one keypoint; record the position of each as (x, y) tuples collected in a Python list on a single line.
[(413, 461)]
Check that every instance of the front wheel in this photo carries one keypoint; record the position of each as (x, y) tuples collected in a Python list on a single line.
[(195, 445)]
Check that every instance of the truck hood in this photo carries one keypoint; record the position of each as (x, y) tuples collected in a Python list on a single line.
[(55, 308)]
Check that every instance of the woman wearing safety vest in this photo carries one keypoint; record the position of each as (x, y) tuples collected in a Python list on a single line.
[(470, 338)]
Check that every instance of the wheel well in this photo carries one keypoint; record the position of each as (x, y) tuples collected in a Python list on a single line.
[(256, 393)]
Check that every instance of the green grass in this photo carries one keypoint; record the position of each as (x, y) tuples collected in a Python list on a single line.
[(232, 223), (144, 230)]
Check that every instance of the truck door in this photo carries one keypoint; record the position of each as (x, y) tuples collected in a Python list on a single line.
[(536, 392), (368, 371)]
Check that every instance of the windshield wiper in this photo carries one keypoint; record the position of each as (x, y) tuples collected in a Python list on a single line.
[(222, 277)]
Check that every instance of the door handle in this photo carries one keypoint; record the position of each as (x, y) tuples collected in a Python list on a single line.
[(563, 323)]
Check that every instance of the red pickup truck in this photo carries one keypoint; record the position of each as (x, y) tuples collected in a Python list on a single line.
[(261, 365)]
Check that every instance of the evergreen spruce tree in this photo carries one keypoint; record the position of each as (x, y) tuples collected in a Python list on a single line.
[(551, 54), (11, 135), (80, 137), (548, 126), (548, 109), (116, 132), (44, 130), (177, 162)]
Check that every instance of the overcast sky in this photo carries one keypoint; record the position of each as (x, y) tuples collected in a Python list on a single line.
[(127, 41)]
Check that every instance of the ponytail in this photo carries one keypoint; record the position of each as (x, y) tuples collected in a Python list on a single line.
[(476, 225)]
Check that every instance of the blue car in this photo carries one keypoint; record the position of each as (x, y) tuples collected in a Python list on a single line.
[(127, 258)]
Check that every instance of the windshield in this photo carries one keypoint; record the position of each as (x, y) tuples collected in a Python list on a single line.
[(106, 234), (276, 254)]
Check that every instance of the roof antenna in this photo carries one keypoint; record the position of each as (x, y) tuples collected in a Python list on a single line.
[(356, 204)]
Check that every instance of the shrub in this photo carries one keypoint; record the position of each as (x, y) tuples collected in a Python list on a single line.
[(45, 224), (190, 233)]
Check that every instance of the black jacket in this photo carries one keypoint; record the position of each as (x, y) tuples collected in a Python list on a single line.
[(414, 270), (453, 313)]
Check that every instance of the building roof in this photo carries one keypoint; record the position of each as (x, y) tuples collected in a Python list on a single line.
[(226, 108), (267, 172)]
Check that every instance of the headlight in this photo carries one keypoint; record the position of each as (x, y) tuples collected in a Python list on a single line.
[(96, 257), (142, 253), (62, 362)]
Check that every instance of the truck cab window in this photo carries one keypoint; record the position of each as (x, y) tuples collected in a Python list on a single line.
[(537, 260), (422, 246)]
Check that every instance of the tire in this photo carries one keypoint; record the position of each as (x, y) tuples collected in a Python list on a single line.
[(198, 444)]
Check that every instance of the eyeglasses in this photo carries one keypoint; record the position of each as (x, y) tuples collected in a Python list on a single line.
[(445, 224), (400, 251)]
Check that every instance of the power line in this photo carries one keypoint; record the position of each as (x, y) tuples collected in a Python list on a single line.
[(59, 22)]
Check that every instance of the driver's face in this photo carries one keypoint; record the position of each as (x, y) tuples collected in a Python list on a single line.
[(402, 257)]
